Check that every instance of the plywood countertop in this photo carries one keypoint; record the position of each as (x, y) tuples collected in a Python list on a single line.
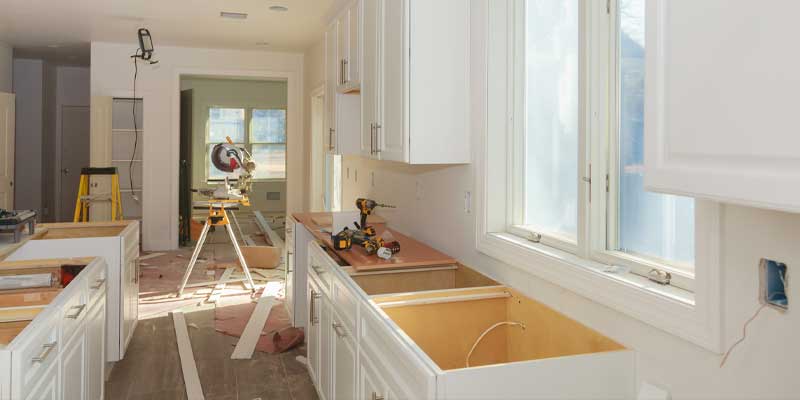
[(413, 254)]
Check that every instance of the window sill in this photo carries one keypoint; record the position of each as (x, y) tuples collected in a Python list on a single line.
[(668, 308)]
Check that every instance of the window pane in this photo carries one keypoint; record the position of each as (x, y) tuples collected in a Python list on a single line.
[(270, 161), (268, 126), (551, 116), (213, 172), (650, 224), (224, 122)]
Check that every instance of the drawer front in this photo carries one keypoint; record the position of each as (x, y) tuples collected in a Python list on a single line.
[(345, 303), (319, 266), (408, 371), (97, 279), (75, 306), (35, 356)]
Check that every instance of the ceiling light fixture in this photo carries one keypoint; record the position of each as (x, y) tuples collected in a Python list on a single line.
[(279, 8), (233, 15)]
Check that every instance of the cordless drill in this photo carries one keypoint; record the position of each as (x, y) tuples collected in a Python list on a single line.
[(365, 206)]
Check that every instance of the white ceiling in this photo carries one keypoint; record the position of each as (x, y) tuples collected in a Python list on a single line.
[(192, 23)]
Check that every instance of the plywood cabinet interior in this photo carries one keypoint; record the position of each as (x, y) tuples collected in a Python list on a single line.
[(720, 109), (415, 81)]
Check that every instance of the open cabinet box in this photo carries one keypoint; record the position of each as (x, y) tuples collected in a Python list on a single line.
[(419, 279), (19, 307)]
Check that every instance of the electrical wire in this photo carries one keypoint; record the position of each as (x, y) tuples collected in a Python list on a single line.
[(744, 336), (491, 328), (135, 126)]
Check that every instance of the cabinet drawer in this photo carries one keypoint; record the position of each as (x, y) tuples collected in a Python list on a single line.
[(97, 278), (74, 308), (36, 355), (345, 303)]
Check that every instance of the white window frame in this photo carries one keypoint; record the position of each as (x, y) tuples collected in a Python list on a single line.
[(691, 311), (248, 143)]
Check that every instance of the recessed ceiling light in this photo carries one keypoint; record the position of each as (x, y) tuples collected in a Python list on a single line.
[(233, 15), (279, 8)]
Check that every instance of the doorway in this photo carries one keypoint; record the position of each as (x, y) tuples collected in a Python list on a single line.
[(74, 154)]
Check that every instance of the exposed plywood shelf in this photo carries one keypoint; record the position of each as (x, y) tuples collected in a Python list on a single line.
[(10, 330), (83, 230)]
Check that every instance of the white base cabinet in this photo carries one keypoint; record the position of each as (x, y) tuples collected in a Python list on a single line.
[(59, 355), (297, 239), (415, 344), (118, 244)]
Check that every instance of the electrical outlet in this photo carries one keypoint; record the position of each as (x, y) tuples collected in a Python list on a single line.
[(774, 281), (467, 202)]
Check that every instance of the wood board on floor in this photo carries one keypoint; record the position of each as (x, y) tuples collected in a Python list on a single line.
[(194, 390), (252, 331)]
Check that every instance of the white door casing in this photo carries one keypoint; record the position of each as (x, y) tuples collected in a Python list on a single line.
[(7, 131)]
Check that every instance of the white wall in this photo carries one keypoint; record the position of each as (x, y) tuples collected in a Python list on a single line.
[(29, 90), (112, 75), (314, 78), (763, 367), (207, 93), (6, 68)]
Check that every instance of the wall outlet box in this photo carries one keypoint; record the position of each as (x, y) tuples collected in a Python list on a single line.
[(774, 279)]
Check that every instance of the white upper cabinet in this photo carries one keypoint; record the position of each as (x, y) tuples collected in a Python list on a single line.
[(348, 44), (342, 107), (414, 81), (721, 101)]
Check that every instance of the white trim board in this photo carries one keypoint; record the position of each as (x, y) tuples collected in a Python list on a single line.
[(194, 391), (252, 331)]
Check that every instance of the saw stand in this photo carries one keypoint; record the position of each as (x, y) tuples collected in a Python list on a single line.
[(217, 217)]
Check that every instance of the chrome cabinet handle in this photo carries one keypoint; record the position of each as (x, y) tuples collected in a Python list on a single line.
[(331, 146), (377, 138), (318, 269), (312, 308), (336, 328), (376, 396), (344, 71), (372, 138), (46, 349), (98, 284), (80, 309)]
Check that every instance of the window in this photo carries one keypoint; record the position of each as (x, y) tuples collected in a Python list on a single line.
[(261, 131), (639, 229)]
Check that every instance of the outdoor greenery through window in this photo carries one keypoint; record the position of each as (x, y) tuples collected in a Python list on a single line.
[(261, 131), (637, 227)]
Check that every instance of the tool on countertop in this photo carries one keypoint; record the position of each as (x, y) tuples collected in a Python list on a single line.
[(229, 158), (342, 240), (16, 221), (366, 206), (388, 250)]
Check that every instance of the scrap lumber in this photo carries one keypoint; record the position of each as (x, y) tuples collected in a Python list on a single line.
[(220, 286), (252, 331), (264, 226), (194, 391)]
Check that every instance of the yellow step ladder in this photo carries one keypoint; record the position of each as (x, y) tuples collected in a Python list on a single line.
[(84, 200)]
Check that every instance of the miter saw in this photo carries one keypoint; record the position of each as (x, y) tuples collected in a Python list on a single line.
[(232, 159)]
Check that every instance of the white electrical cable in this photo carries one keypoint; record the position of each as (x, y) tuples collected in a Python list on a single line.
[(491, 328)]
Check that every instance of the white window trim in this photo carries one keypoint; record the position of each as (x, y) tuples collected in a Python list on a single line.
[(693, 316), (248, 116)]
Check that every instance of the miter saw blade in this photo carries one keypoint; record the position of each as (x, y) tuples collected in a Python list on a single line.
[(226, 157)]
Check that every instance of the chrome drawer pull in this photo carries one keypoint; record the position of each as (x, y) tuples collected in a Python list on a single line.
[(98, 284), (311, 308), (318, 270), (80, 309), (376, 396), (46, 349), (336, 328)]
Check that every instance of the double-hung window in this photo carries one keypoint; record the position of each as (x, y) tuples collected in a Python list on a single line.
[(259, 130), (563, 189)]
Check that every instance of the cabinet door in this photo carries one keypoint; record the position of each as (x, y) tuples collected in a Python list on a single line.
[(95, 354), (325, 348), (331, 82), (47, 388), (313, 332), (391, 130), (371, 386), (342, 47), (344, 361), (130, 308), (354, 43), (369, 76), (74, 367), (720, 109)]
